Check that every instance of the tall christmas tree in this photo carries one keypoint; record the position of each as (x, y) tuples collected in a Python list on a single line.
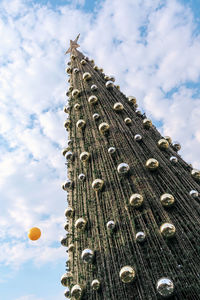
[(133, 215)]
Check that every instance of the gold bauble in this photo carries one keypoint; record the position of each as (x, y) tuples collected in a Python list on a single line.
[(167, 230), (168, 138), (80, 224), (101, 69), (95, 68), (127, 274), (104, 127), (163, 144), (167, 200), (80, 124), (97, 184), (83, 62), (132, 99), (92, 99), (77, 106), (75, 93), (152, 164), (195, 174), (69, 212), (76, 291), (67, 124), (106, 77), (66, 109), (118, 87), (84, 156), (118, 106), (95, 284), (127, 121), (73, 57), (147, 123), (86, 76), (71, 248), (70, 88), (66, 279), (136, 200), (68, 70)]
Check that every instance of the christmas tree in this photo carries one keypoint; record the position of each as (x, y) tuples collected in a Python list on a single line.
[(133, 210)]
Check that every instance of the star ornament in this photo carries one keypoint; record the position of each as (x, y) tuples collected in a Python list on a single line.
[(73, 45)]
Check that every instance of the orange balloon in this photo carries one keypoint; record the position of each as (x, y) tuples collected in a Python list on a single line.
[(34, 233)]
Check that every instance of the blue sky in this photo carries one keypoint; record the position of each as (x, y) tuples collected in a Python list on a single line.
[(151, 47)]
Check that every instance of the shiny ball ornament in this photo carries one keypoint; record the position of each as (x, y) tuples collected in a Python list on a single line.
[(69, 63), (95, 284), (69, 155), (112, 78), (76, 291), (194, 194), (69, 212), (147, 123), (138, 112), (77, 106), (83, 62), (165, 287), (97, 184), (75, 93), (93, 87), (173, 159), (95, 68), (123, 168), (136, 200), (152, 164), (111, 150), (69, 143), (167, 230), (71, 248), (73, 57), (132, 99), (127, 274), (67, 124), (127, 121), (67, 185), (80, 124), (34, 234), (86, 58), (104, 127), (76, 70), (96, 116), (87, 256), (110, 225), (84, 156), (118, 106), (92, 99), (68, 70), (66, 109), (66, 278), (167, 200), (80, 224), (81, 177), (140, 236), (168, 139), (64, 151), (137, 137), (118, 87), (163, 144), (195, 174), (64, 242), (66, 226), (70, 88), (92, 61), (67, 292), (106, 77), (86, 76), (109, 84), (67, 93), (101, 69), (176, 146)]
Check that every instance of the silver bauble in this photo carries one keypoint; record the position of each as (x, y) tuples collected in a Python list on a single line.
[(123, 168), (87, 256), (165, 287)]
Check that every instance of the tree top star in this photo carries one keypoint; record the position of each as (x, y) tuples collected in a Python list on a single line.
[(73, 45)]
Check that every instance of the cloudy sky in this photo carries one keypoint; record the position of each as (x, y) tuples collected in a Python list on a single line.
[(151, 47)]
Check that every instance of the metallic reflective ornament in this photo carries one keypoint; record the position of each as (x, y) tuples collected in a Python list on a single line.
[(68, 70), (147, 123), (75, 93), (92, 61), (131, 99), (176, 146), (69, 155), (77, 106), (127, 121), (87, 256), (80, 224), (76, 291), (67, 185), (70, 88), (83, 62), (86, 76), (95, 284), (173, 159), (127, 274), (123, 168), (64, 242), (67, 292), (194, 194), (96, 116), (97, 184), (138, 112), (140, 236), (64, 151), (152, 164), (111, 150), (112, 78), (66, 109), (67, 124), (195, 174), (109, 84), (137, 137), (69, 143), (67, 93), (167, 200), (66, 226), (73, 57), (165, 287), (92, 99), (168, 139), (76, 70), (68, 80), (71, 248), (136, 200), (163, 144), (104, 127), (93, 87), (118, 87), (80, 124), (81, 177), (101, 69), (110, 225), (106, 77), (118, 106), (69, 63), (69, 212), (167, 230), (84, 156), (95, 68), (66, 278)]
